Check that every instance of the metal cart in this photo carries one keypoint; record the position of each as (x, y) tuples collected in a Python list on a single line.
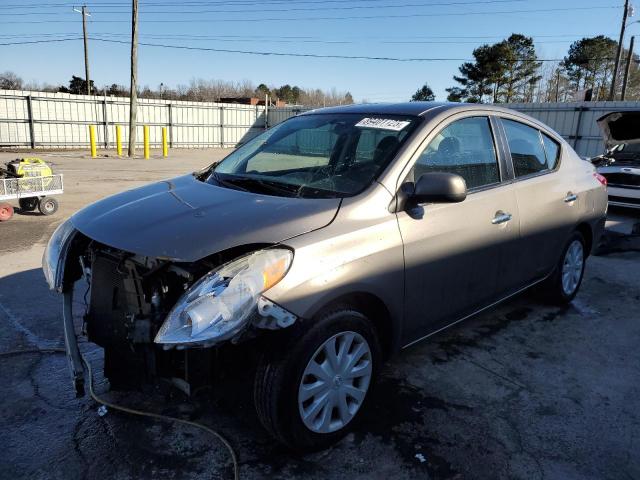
[(31, 193)]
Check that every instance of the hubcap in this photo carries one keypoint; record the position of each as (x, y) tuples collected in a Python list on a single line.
[(572, 267), (335, 382)]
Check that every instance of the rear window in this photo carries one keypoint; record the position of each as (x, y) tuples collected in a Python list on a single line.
[(526, 149)]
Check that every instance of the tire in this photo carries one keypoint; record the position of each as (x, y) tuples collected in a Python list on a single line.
[(563, 284), (28, 204), (48, 205), (279, 382), (6, 212)]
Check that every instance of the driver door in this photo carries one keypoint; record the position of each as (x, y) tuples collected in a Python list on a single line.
[(454, 252)]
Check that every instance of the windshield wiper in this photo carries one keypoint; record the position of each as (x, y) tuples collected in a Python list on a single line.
[(227, 183), (249, 183)]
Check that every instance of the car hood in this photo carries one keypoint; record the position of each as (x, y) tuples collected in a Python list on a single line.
[(185, 219), (620, 127)]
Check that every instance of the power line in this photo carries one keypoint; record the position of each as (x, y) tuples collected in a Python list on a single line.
[(201, 3), (310, 41), (189, 36), (289, 41), (306, 55), (278, 54), (287, 9), (29, 42), (359, 17)]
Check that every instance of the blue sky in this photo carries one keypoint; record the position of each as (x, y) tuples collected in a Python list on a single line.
[(400, 28)]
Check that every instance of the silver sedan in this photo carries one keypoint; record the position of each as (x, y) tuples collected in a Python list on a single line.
[(321, 247)]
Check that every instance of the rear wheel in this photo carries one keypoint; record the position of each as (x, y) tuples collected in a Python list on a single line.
[(48, 205), (28, 204), (6, 212), (563, 285), (309, 395)]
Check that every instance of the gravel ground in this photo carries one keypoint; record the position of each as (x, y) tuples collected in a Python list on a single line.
[(524, 391)]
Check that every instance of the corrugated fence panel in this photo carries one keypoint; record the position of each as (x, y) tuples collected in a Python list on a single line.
[(16, 127), (62, 120)]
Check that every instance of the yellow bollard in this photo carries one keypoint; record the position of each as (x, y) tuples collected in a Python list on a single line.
[(92, 141), (165, 147), (118, 140), (146, 142)]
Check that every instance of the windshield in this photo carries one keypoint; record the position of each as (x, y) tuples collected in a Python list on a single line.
[(315, 156)]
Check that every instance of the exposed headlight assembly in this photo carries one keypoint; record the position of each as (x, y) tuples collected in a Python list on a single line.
[(55, 255), (218, 305)]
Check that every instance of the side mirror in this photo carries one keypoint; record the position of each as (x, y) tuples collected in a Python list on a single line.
[(439, 187)]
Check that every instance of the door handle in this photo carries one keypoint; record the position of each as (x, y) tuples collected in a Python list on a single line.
[(571, 197), (501, 217)]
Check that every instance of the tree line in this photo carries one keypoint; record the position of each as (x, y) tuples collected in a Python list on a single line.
[(198, 90), (511, 71)]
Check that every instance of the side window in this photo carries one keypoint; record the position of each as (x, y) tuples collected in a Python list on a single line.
[(552, 149), (464, 147), (526, 148)]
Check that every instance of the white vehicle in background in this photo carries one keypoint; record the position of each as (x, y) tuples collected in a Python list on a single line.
[(620, 164)]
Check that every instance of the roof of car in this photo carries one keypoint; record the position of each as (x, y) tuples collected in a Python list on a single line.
[(406, 108), (425, 109)]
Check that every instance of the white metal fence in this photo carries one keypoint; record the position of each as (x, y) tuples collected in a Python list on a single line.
[(576, 122), (60, 120)]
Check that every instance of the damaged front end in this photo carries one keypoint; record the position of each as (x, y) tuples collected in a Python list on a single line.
[(164, 318)]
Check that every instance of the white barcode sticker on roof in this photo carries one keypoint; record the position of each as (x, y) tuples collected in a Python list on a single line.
[(383, 123)]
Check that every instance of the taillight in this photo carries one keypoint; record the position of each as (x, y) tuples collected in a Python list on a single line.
[(601, 178)]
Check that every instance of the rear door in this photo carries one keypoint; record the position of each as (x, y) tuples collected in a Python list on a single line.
[(454, 252), (547, 199)]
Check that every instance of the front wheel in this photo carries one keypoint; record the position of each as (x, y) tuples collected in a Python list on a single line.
[(310, 393), (563, 285)]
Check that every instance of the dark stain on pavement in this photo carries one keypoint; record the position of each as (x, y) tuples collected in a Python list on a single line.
[(396, 414)]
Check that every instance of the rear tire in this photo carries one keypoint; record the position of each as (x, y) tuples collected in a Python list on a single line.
[(563, 284), (6, 212), (28, 204), (48, 205), (306, 412)]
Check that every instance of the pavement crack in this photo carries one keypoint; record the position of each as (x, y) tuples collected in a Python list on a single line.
[(493, 372), (77, 445)]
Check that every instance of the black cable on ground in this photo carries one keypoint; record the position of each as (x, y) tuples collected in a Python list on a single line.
[(132, 411)]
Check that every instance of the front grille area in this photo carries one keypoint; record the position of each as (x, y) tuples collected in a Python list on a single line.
[(622, 178), (115, 299)]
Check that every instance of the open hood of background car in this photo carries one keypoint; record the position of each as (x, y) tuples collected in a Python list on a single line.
[(620, 127), (185, 219)]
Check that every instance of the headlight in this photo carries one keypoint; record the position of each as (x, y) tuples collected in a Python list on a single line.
[(55, 253), (218, 305)]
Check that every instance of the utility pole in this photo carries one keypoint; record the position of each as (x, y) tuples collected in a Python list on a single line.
[(627, 70), (612, 91), (85, 14), (133, 95)]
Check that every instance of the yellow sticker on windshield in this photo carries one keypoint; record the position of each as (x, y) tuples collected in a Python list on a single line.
[(383, 123)]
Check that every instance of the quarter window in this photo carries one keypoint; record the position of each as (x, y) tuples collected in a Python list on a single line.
[(465, 147), (526, 148), (552, 149)]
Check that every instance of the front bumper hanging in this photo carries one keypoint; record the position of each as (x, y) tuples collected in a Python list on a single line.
[(71, 345)]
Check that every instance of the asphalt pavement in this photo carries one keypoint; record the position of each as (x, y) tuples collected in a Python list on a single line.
[(524, 391)]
